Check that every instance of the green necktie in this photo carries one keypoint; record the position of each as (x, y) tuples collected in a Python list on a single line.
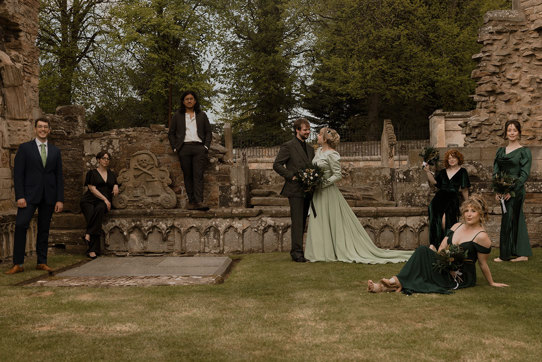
[(43, 154)]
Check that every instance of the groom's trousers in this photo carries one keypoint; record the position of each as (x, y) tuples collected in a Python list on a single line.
[(299, 208)]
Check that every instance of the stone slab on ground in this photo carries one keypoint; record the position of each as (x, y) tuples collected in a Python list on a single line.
[(143, 271)]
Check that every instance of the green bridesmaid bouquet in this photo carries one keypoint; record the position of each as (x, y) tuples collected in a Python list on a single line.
[(503, 184)]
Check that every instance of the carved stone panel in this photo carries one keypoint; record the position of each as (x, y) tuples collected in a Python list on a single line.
[(145, 184)]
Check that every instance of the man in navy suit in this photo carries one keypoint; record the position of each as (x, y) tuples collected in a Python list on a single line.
[(37, 175), (190, 137)]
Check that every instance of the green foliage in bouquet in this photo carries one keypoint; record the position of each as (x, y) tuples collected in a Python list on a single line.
[(450, 259), (310, 177), (504, 183), (430, 155)]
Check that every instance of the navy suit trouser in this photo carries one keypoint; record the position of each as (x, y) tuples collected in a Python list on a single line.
[(24, 215)]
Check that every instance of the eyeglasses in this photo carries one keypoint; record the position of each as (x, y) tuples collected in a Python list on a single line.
[(42, 126), (106, 159)]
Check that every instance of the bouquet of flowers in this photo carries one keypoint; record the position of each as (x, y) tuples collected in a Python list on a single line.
[(430, 156), (310, 178), (503, 184), (450, 259)]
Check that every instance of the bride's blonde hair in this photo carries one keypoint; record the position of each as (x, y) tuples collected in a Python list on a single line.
[(331, 137)]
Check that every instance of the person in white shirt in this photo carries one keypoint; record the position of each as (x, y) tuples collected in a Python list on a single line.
[(190, 137)]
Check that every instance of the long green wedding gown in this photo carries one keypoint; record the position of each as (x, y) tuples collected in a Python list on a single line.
[(514, 240), (335, 233)]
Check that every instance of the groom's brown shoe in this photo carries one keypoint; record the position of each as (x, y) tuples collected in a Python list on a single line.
[(44, 267), (15, 269)]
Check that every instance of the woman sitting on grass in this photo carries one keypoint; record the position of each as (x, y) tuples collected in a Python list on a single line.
[(419, 274)]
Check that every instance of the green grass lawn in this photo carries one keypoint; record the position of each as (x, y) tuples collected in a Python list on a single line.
[(270, 308)]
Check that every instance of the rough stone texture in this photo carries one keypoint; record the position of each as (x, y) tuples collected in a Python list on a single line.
[(7, 232), (445, 129), (132, 232), (144, 184), (225, 183), (67, 127), (508, 75), (19, 71)]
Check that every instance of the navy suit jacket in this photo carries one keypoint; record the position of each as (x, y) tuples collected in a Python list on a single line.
[(177, 130), (34, 182)]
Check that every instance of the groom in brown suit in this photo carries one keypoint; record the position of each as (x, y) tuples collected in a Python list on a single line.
[(293, 156)]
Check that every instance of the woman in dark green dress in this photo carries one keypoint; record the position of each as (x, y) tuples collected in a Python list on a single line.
[(418, 274), (514, 160), (444, 208)]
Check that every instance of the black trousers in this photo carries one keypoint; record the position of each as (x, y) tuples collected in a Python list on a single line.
[(299, 208), (193, 158), (22, 221), (94, 214)]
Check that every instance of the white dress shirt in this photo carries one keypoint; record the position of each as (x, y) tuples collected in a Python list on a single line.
[(39, 146), (191, 134)]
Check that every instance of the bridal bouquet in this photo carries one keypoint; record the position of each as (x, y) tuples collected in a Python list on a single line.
[(503, 184), (450, 259), (430, 156), (310, 178)]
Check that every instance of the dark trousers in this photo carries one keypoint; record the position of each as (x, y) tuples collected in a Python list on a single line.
[(299, 208), (193, 158), (24, 215), (94, 214)]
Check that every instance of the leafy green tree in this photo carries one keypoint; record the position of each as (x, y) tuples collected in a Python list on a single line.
[(69, 31), (261, 41), (165, 44), (398, 59)]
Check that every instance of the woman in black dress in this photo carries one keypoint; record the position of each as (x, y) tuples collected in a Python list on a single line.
[(96, 202), (444, 208)]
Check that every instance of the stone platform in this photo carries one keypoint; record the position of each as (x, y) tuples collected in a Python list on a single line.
[(143, 271)]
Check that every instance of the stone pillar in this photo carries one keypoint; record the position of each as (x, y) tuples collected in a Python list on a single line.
[(67, 126), (19, 72), (387, 144), (437, 129), (228, 142)]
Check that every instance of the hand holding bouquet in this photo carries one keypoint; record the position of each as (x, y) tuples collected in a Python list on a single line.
[(504, 183), (430, 156), (310, 178), (450, 259)]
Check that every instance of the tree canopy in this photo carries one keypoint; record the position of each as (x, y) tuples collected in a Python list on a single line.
[(261, 63)]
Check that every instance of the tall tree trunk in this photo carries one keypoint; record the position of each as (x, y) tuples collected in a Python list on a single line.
[(373, 113)]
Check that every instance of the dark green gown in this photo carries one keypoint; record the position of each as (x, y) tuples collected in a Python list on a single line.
[(514, 240), (418, 275), (446, 202)]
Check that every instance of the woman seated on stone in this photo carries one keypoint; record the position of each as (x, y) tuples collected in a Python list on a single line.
[(418, 274), (96, 202)]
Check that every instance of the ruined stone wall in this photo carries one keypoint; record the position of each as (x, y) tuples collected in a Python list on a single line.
[(224, 183), (19, 73), (508, 75)]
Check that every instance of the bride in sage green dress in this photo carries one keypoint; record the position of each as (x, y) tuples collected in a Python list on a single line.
[(334, 231), (418, 274), (514, 160)]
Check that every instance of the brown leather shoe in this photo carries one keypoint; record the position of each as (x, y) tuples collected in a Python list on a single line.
[(15, 269), (44, 267)]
